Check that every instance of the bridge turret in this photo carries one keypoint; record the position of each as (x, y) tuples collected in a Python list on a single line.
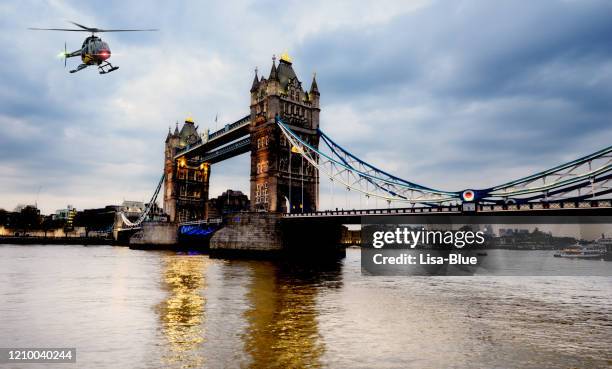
[(314, 94), (273, 71), (255, 82)]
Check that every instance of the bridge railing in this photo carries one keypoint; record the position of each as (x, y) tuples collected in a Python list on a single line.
[(553, 205), (203, 221), (230, 127), (363, 212), (559, 205)]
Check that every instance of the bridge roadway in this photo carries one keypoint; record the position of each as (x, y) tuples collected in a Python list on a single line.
[(563, 208), (214, 146)]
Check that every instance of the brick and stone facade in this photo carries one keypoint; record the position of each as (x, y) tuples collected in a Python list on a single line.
[(245, 232), (280, 178), (186, 180)]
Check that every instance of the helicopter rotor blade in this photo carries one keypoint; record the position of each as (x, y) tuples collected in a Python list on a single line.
[(127, 30), (58, 29), (89, 29), (65, 54), (92, 29)]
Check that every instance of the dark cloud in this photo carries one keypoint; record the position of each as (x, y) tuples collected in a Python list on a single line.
[(464, 49), (511, 84)]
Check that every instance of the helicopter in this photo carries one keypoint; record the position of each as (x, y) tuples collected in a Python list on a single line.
[(94, 51)]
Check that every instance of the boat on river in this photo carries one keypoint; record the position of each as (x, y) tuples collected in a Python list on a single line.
[(578, 251)]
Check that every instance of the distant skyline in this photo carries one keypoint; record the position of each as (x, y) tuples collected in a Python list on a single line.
[(451, 95)]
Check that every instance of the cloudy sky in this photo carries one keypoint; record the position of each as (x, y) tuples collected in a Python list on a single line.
[(453, 95)]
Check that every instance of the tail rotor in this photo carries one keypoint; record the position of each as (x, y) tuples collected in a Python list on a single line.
[(63, 54)]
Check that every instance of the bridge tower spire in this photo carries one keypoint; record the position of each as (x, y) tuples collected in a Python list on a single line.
[(255, 82), (281, 181)]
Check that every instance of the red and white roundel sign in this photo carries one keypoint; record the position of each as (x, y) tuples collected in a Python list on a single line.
[(468, 195)]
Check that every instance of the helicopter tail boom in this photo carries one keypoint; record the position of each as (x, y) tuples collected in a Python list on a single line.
[(73, 54)]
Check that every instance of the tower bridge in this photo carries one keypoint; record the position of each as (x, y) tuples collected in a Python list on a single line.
[(273, 164), (289, 153)]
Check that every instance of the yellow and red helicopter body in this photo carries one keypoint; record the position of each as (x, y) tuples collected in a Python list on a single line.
[(94, 51)]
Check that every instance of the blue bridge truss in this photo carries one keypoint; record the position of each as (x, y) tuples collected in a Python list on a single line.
[(586, 178)]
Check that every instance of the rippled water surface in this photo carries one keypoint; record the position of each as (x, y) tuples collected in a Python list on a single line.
[(124, 308)]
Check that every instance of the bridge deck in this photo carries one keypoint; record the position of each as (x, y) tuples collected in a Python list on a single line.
[(229, 133), (229, 151), (578, 208)]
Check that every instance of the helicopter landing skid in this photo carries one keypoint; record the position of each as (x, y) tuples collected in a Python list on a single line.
[(80, 67), (102, 68)]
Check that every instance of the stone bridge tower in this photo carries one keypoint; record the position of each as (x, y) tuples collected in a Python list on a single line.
[(281, 181), (186, 181)]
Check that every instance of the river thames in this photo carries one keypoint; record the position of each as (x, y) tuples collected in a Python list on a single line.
[(125, 308)]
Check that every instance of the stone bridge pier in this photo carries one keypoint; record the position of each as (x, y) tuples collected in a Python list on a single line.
[(265, 233)]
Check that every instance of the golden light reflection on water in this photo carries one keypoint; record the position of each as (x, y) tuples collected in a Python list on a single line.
[(282, 327), (278, 324), (182, 313)]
